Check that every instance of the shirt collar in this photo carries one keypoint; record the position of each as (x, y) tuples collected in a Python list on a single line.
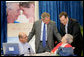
[(67, 23)]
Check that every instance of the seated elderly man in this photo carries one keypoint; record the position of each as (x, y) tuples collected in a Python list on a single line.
[(65, 43), (24, 47)]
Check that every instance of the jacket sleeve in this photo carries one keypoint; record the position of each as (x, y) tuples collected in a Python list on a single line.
[(78, 39), (56, 33), (32, 33), (76, 29)]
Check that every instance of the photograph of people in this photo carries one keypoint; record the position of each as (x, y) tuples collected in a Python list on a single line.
[(21, 12)]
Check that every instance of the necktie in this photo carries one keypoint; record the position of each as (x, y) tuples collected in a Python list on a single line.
[(44, 36)]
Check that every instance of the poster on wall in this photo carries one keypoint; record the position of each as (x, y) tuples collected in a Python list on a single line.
[(20, 17), (20, 12)]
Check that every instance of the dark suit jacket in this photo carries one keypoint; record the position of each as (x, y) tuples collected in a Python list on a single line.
[(73, 29), (51, 29)]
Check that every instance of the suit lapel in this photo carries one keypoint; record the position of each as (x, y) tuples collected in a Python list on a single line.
[(69, 26), (48, 28), (63, 28)]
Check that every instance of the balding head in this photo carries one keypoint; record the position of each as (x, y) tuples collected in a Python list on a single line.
[(21, 34), (23, 37)]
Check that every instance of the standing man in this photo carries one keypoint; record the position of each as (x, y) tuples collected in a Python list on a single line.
[(44, 30), (71, 26)]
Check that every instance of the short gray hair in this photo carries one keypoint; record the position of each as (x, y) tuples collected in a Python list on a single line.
[(69, 38), (45, 14)]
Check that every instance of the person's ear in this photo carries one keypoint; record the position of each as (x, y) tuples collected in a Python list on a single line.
[(67, 18)]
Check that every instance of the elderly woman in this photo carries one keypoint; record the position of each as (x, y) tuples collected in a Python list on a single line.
[(65, 42)]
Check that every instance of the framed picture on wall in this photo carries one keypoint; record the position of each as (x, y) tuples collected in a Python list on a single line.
[(21, 12), (20, 16)]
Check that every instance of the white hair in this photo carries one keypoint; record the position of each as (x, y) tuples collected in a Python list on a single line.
[(69, 38)]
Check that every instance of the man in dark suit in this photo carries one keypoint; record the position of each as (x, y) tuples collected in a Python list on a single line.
[(44, 30), (71, 26)]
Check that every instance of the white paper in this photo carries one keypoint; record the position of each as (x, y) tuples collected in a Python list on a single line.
[(11, 48)]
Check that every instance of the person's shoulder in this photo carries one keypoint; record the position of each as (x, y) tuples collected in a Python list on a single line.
[(20, 44), (27, 44), (68, 45), (52, 22), (73, 20), (59, 43), (38, 21)]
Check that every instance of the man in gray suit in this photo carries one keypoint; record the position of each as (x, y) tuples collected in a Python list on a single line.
[(44, 30)]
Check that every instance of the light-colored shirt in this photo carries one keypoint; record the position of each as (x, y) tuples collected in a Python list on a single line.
[(66, 28), (23, 48), (42, 26)]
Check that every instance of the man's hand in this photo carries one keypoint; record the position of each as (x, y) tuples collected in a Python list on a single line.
[(73, 47)]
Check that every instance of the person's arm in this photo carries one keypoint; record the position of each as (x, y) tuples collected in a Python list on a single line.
[(77, 34), (31, 34), (76, 30), (56, 33)]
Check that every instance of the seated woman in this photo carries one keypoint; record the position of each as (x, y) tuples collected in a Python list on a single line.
[(65, 42)]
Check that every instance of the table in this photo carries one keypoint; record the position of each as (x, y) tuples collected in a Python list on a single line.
[(41, 54)]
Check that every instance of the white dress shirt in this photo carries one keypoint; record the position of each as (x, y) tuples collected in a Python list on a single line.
[(66, 28), (23, 48), (42, 26)]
